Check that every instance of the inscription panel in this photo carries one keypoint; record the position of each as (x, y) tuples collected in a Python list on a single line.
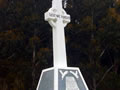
[(70, 80), (59, 16), (71, 83), (50, 16)]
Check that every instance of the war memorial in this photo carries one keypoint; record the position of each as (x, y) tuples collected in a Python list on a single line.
[(60, 76)]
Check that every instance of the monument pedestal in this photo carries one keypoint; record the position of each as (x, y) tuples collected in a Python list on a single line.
[(68, 78)]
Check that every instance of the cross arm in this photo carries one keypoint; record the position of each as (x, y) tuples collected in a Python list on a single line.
[(50, 18)]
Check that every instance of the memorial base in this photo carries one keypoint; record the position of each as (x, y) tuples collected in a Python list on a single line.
[(62, 79)]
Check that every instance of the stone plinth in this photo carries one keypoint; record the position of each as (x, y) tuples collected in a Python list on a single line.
[(61, 79)]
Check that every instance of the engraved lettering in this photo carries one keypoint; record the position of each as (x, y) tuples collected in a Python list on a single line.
[(63, 73), (75, 74)]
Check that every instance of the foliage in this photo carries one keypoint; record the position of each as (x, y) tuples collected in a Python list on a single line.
[(92, 38)]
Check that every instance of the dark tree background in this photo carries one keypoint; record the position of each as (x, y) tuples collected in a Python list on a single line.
[(92, 41)]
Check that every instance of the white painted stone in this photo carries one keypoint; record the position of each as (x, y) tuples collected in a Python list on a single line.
[(52, 79), (60, 77), (75, 74), (71, 83), (58, 19), (63, 73)]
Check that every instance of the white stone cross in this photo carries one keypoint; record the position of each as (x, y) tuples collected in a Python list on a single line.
[(58, 19)]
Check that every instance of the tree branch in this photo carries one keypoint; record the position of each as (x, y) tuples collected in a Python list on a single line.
[(11, 56), (105, 75)]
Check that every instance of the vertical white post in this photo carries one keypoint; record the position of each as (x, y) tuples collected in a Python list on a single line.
[(58, 19)]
